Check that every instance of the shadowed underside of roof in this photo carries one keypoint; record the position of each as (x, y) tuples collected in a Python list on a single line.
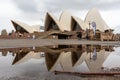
[(94, 16), (51, 23), (52, 60), (25, 56), (75, 26), (19, 57), (78, 23)]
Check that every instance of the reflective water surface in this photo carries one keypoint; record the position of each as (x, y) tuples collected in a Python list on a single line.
[(40, 63)]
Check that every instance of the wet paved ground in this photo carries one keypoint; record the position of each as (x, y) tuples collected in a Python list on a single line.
[(44, 42)]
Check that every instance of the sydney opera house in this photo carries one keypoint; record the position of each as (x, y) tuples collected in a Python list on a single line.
[(67, 26)]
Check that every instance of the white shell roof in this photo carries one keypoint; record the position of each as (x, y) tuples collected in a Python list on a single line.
[(65, 20), (28, 28), (94, 15)]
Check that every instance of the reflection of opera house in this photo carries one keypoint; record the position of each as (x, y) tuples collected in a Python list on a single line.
[(83, 58), (89, 60), (68, 26)]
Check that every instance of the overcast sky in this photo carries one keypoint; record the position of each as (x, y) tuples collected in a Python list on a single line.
[(33, 12)]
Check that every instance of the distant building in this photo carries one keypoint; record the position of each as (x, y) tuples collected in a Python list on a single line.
[(41, 27), (4, 32)]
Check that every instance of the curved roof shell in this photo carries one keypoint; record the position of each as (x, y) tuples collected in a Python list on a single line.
[(65, 20), (94, 15), (24, 26)]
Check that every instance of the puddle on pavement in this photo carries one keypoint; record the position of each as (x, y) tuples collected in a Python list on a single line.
[(38, 61)]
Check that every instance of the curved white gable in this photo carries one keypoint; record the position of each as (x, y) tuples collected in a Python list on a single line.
[(28, 28), (65, 20), (94, 15)]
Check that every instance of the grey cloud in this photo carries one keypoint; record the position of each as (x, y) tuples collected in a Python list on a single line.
[(36, 9), (81, 4), (30, 10), (26, 5), (60, 5)]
